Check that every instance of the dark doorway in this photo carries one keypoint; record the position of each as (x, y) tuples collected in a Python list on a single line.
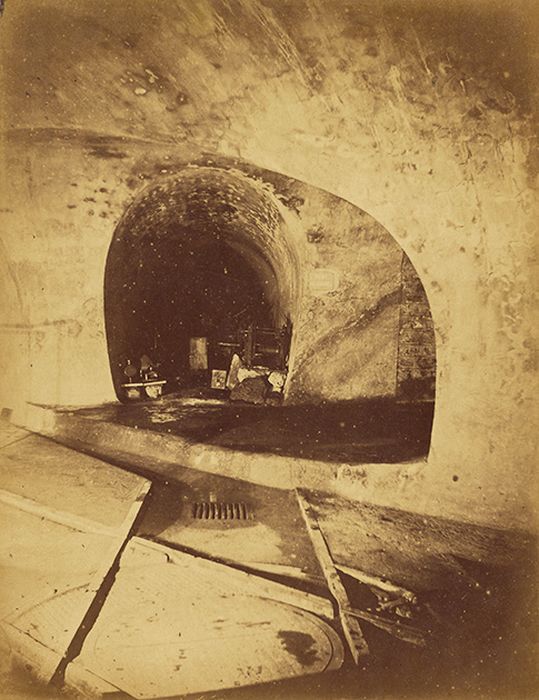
[(190, 282)]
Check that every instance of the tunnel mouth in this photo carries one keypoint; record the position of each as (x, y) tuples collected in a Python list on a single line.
[(208, 309), (198, 292)]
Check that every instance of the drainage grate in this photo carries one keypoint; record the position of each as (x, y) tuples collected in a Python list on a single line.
[(212, 510)]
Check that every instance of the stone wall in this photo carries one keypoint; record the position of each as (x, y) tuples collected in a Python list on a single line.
[(419, 113), (416, 361), (340, 269)]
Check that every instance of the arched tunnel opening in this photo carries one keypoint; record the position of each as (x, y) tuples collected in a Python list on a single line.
[(198, 290), (207, 303)]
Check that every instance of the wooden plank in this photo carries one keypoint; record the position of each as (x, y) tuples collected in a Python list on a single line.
[(376, 582), (406, 633), (352, 631), (248, 582), (152, 382), (292, 572), (101, 583)]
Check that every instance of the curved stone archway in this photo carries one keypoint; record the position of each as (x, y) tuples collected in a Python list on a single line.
[(289, 253), (204, 250)]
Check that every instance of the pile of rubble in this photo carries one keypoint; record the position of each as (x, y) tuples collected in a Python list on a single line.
[(258, 385)]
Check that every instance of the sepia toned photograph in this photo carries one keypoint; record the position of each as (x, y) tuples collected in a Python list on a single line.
[(268, 350)]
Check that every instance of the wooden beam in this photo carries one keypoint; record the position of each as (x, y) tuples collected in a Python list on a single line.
[(406, 633), (248, 582), (351, 629), (376, 582), (101, 583)]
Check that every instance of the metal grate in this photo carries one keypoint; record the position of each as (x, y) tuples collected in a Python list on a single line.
[(212, 510)]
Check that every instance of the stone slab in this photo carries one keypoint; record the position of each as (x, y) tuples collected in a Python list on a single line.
[(264, 538), (71, 482), (166, 629), (41, 562), (53, 561)]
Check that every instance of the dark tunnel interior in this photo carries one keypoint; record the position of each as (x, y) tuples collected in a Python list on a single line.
[(182, 287), (191, 281)]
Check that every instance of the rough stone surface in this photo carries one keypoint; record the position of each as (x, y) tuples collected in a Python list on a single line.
[(426, 123), (416, 361), (251, 390)]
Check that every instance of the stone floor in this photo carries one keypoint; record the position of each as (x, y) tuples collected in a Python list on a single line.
[(476, 587), (262, 541), (353, 431), (73, 524)]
